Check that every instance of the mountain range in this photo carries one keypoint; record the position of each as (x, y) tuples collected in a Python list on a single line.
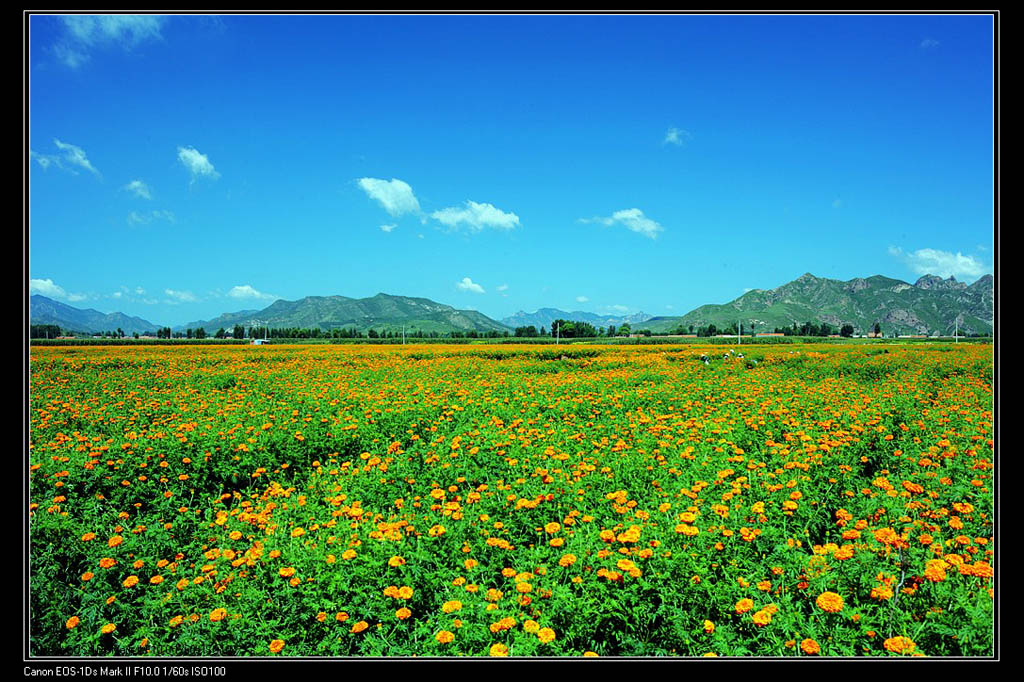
[(545, 316), (43, 310), (931, 305)]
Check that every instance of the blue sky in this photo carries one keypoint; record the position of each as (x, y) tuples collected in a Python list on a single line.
[(185, 166)]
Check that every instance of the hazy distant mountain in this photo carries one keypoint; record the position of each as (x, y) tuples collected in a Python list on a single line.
[(382, 312), (43, 310), (930, 306), (545, 316)]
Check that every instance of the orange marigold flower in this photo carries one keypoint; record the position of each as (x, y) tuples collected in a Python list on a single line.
[(176, 621), (709, 627), (107, 562), (810, 647), (567, 560), (762, 618), (156, 580), (546, 635), (131, 581), (360, 626), (88, 536), (451, 606), (402, 613), (744, 605), (935, 570), (531, 626), (72, 623), (899, 645), (87, 576), (830, 602), (286, 572), (276, 646), (394, 561), (115, 541), (108, 628), (499, 650), (218, 614), (444, 637)]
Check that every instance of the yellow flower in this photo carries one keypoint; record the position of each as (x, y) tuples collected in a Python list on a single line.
[(393, 561), (499, 650), (218, 614), (567, 560), (451, 606), (744, 605), (286, 572), (402, 613), (762, 618), (546, 635), (531, 626), (108, 628), (709, 627)]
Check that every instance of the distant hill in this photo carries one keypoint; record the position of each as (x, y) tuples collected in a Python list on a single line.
[(929, 306), (382, 312), (545, 316), (43, 310)]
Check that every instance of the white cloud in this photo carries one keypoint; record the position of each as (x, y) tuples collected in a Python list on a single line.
[(632, 219), (395, 195), (136, 218), (245, 291), (676, 136), (387, 228), (469, 285), (197, 163), (85, 32), (503, 287), (48, 288), (126, 29), (180, 296), (929, 42), (476, 217), (139, 188), (670, 306), (74, 156), (619, 308), (42, 159), (582, 299), (941, 263)]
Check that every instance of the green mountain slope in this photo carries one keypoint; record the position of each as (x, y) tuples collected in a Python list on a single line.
[(43, 310), (382, 312), (930, 306)]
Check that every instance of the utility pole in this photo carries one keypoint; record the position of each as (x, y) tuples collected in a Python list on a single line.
[(403, 334), (557, 333)]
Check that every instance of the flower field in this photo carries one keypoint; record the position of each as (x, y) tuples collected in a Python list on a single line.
[(831, 500)]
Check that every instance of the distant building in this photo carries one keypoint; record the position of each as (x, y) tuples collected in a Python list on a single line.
[(765, 334), (259, 342)]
